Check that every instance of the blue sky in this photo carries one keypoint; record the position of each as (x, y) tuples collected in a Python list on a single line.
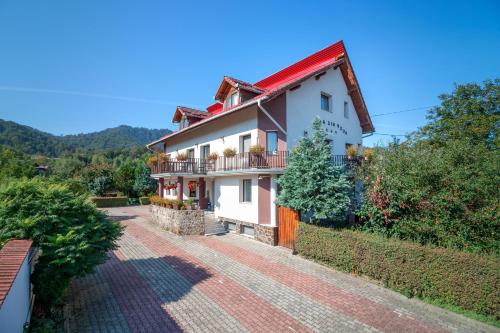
[(79, 66)]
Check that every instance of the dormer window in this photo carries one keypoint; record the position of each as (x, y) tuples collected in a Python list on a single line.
[(184, 123), (232, 100)]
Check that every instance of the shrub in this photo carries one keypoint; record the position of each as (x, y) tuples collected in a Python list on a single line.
[(352, 151), (452, 277), (143, 183), (102, 202), (167, 203), (445, 196), (257, 149), (73, 235), (229, 152), (213, 156), (144, 200), (182, 156)]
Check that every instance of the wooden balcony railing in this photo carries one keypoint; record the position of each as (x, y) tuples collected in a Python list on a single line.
[(241, 161)]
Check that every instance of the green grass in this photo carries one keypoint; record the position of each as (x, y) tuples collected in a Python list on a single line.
[(467, 313)]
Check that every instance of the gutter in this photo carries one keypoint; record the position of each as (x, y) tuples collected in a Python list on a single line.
[(259, 104)]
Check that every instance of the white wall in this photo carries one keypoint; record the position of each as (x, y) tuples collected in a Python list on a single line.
[(221, 134), (304, 104), (15, 308), (227, 199)]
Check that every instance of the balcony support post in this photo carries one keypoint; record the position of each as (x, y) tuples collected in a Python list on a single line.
[(161, 186), (203, 201), (180, 188)]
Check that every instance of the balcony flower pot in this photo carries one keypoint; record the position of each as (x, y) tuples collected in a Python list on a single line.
[(182, 157), (229, 152)]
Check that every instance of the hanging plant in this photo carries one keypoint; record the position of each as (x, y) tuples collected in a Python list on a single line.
[(368, 154)]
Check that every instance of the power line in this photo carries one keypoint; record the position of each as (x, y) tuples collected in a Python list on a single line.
[(401, 111), (385, 134)]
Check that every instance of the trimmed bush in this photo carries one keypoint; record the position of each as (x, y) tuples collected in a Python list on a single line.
[(452, 277), (144, 200), (72, 234), (102, 202)]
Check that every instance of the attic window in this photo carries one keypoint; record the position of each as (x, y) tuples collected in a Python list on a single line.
[(232, 100)]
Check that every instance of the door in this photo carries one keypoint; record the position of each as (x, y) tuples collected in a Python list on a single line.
[(288, 222), (191, 162), (205, 151), (243, 162)]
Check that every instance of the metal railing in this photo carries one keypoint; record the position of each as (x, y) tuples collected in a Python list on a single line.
[(241, 161)]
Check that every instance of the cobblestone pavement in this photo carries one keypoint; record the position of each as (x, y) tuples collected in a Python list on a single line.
[(160, 282)]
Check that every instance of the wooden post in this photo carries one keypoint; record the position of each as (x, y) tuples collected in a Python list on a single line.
[(203, 201), (161, 183), (180, 188)]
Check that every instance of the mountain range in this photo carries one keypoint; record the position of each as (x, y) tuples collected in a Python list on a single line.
[(32, 141)]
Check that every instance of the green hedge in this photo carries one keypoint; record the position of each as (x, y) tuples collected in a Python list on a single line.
[(144, 200), (448, 276), (101, 202)]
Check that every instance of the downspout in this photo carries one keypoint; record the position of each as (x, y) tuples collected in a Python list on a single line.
[(259, 104)]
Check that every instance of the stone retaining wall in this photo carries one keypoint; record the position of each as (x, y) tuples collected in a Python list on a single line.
[(264, 233), (180, 222)]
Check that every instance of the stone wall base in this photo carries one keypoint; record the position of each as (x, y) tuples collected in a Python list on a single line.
[(264, 233), (180, 222)]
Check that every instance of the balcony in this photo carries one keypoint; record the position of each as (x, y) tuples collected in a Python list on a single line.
[(239, 162)]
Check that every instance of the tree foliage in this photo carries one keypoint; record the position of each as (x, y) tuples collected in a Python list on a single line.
[(72, 234), (470, 113), (312, 183), (442, 186)]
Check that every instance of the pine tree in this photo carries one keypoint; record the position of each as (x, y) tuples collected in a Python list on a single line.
[(312, 183)]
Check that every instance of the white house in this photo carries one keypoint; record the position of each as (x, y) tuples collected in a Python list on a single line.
[(271, 116)]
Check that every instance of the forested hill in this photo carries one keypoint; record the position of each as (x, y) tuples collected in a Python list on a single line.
[(32, 141)]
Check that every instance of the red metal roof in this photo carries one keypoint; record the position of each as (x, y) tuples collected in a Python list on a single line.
[(302, 67), (279, 81), (12, 256)]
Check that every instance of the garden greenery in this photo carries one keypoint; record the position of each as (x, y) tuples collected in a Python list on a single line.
[(311, 183), (72, 234), (442, 186)]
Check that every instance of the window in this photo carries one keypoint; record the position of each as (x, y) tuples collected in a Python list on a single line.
[(247, 230), (245, 143), (325, 102), (246, 193), (231, 226), (205, 151), (272, 141), (232, 100), (346, 110), (190, 153)]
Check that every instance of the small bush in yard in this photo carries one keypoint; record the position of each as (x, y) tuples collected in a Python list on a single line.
[(72, 234), (452, 277), (102, 202)]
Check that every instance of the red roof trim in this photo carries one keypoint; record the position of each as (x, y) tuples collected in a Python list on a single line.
[(306, 64)]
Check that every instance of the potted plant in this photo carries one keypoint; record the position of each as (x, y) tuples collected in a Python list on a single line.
[(352, 152), (189, 204), (182, 157), (229, 152), (368, 154), (152, 160), (212, 156), (257, 149)]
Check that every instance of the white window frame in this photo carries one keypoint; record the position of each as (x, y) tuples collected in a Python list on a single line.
[(242, 137), (346, 109), (242, 192), (267, 142)]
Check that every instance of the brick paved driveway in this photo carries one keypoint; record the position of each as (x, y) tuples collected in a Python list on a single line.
[(159, 282)]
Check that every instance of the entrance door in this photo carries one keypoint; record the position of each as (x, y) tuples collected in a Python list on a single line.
[(288, 222)]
